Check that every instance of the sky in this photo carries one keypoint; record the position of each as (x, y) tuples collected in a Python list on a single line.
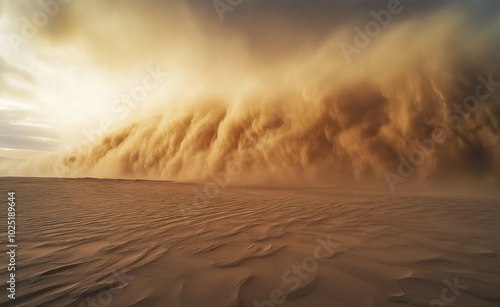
[(309, 89)]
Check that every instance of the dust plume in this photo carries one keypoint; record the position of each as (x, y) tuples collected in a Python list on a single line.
[(277, 99)]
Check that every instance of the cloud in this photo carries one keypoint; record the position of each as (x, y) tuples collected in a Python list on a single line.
[(14, 82), (20, 127)]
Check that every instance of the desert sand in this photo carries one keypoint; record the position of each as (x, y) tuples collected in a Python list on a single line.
[(96, 242)]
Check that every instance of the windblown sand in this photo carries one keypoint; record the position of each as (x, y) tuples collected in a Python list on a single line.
[(90, 242)]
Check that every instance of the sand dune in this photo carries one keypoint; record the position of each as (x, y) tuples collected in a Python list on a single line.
[(90, 242)]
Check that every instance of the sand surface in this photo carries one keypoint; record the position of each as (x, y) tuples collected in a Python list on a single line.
[(90, 242)]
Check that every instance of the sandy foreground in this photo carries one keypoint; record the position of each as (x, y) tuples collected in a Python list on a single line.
[(91, 242)]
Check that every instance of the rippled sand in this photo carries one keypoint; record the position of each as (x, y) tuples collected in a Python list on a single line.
[(89, 242)]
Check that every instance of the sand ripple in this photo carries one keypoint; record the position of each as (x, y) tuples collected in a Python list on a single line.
[(80, 238)]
